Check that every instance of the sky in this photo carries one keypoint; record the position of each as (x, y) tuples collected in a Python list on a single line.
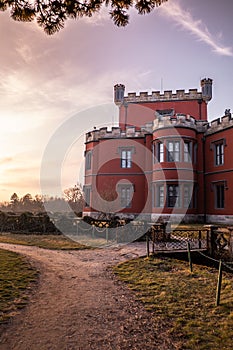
[(51, 86)]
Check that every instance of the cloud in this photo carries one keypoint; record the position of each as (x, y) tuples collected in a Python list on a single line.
[(5, 160), (20, 178), (185, 20), (23, 170), (144, 74), (25, 52), (28, 185)]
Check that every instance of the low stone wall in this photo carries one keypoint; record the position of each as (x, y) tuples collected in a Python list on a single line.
[(220, 219), (220, 242)]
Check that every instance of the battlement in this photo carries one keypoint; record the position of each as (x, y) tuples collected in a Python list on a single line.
[(117, 132), (162, 121), (179, 120), (168, 95), (157, 96), (219, 124), (183, 120)]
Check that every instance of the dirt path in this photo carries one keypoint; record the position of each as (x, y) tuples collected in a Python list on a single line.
[(79, 305)]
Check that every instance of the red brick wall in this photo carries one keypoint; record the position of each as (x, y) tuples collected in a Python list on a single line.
[(107, 170), (179, 171), (219, 173), (140, 113)]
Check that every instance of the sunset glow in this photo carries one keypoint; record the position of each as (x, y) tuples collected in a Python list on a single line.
[(45, 80)]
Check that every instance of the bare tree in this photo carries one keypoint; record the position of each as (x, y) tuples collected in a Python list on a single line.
[(74, 196)]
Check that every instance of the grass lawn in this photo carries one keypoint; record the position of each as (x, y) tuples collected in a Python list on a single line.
[(42, 241), (16, 276), (183, 302)]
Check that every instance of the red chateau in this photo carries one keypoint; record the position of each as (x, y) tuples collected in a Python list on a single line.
[(163, 161)]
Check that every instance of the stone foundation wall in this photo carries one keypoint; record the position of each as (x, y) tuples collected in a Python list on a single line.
[(220, 219)]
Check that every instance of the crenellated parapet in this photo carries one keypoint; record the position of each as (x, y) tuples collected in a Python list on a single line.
[(179, 120), (168, 95), (157, 96), (118, 133), (175, 120), (183, 120), (219, 124)]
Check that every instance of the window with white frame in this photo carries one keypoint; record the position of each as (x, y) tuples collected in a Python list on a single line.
[(187, 151), (88, 160), (219, 196), (160, 152), (160, 196), (87, 195), (187, 196), (219, 153), (126, 194), (126, 158), (173, 151), (173, 196)]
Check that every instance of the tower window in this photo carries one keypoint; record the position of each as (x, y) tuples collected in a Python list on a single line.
[(173, 196), (219, 196), (119, 94), (126, 192), (173, 151), (88, 160), (187, 196), (219, 153), (187, 151), (160, 152), (126, 158), (87, 195), (160, 196)]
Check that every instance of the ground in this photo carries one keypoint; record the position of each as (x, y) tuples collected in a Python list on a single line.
[(79, 305)]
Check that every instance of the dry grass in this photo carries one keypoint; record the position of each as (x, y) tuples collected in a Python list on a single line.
[(16, 276), (183, 302), (42, 241)]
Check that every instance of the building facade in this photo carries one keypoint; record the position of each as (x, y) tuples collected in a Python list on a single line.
[(163, 161)]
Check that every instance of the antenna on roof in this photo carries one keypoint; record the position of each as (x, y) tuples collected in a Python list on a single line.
[(161, 89)]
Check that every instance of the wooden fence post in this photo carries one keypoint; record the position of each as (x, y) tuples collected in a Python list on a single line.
[(218, 292), (107, 234), (211, 237), (189, 257), (199, 239), (230, 229), (147, 246)]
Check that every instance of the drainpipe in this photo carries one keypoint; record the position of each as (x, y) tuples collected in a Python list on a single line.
[(204, 177), (200, 114), (126, 113)]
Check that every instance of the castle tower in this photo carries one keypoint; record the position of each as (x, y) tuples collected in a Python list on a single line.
[(119, 91), (206, 87)]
